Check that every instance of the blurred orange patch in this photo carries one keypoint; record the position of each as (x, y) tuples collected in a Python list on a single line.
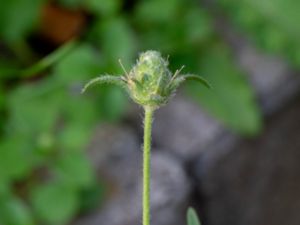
[(59, 24)]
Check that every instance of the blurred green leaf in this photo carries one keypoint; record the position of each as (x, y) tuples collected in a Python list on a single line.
[(15, 149), (54, 203), (80, 116), (4, 188), (8, 68), (45, 142), (104, 7), (231, 99), (276, 12), (92, 196), (293, 53), (80, 109), (72, 4), (189, 32), (74, 137), (271, 24), (14, 212), (157, 11), (17, 18), (24, 102), (166, 38), (198, 26), (75, 170), (116, 39), (2, 98), (79, 65), (112, 104), (192, 218)]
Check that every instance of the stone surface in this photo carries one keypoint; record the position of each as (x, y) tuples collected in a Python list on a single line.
[(258, 181), (116, 155), (271, 77), (114, 149)]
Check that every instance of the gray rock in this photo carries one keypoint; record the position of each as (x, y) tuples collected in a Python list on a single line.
[(116, 155), (258, 181), (271, 77), (185, 129), (114, 149), (274, 82)]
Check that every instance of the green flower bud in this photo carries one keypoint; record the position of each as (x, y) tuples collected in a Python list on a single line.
[(150, 83), (149, 79)]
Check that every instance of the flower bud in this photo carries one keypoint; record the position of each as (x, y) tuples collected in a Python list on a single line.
[(150, 83), (149, 79)]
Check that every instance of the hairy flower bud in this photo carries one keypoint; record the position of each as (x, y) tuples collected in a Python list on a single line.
[(149, 79), (150, 83)]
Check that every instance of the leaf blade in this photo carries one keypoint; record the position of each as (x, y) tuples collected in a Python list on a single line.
[(233, 101), (192, 218)]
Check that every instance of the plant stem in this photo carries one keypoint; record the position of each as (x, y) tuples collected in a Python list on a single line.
[(50, 59), (147, 165)]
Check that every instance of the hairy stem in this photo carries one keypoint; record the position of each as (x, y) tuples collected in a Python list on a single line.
[(146, 164)]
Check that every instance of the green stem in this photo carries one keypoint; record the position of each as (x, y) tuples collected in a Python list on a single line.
[(48, 60), (146, 165)]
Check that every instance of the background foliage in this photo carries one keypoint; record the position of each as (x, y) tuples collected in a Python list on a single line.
[(45, 124)]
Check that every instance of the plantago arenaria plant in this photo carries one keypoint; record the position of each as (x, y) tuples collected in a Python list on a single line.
[(150, 84)]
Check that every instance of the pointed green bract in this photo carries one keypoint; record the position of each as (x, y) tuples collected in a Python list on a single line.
[(175, 83), (197, 78), (108, 79), (192, 218)]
